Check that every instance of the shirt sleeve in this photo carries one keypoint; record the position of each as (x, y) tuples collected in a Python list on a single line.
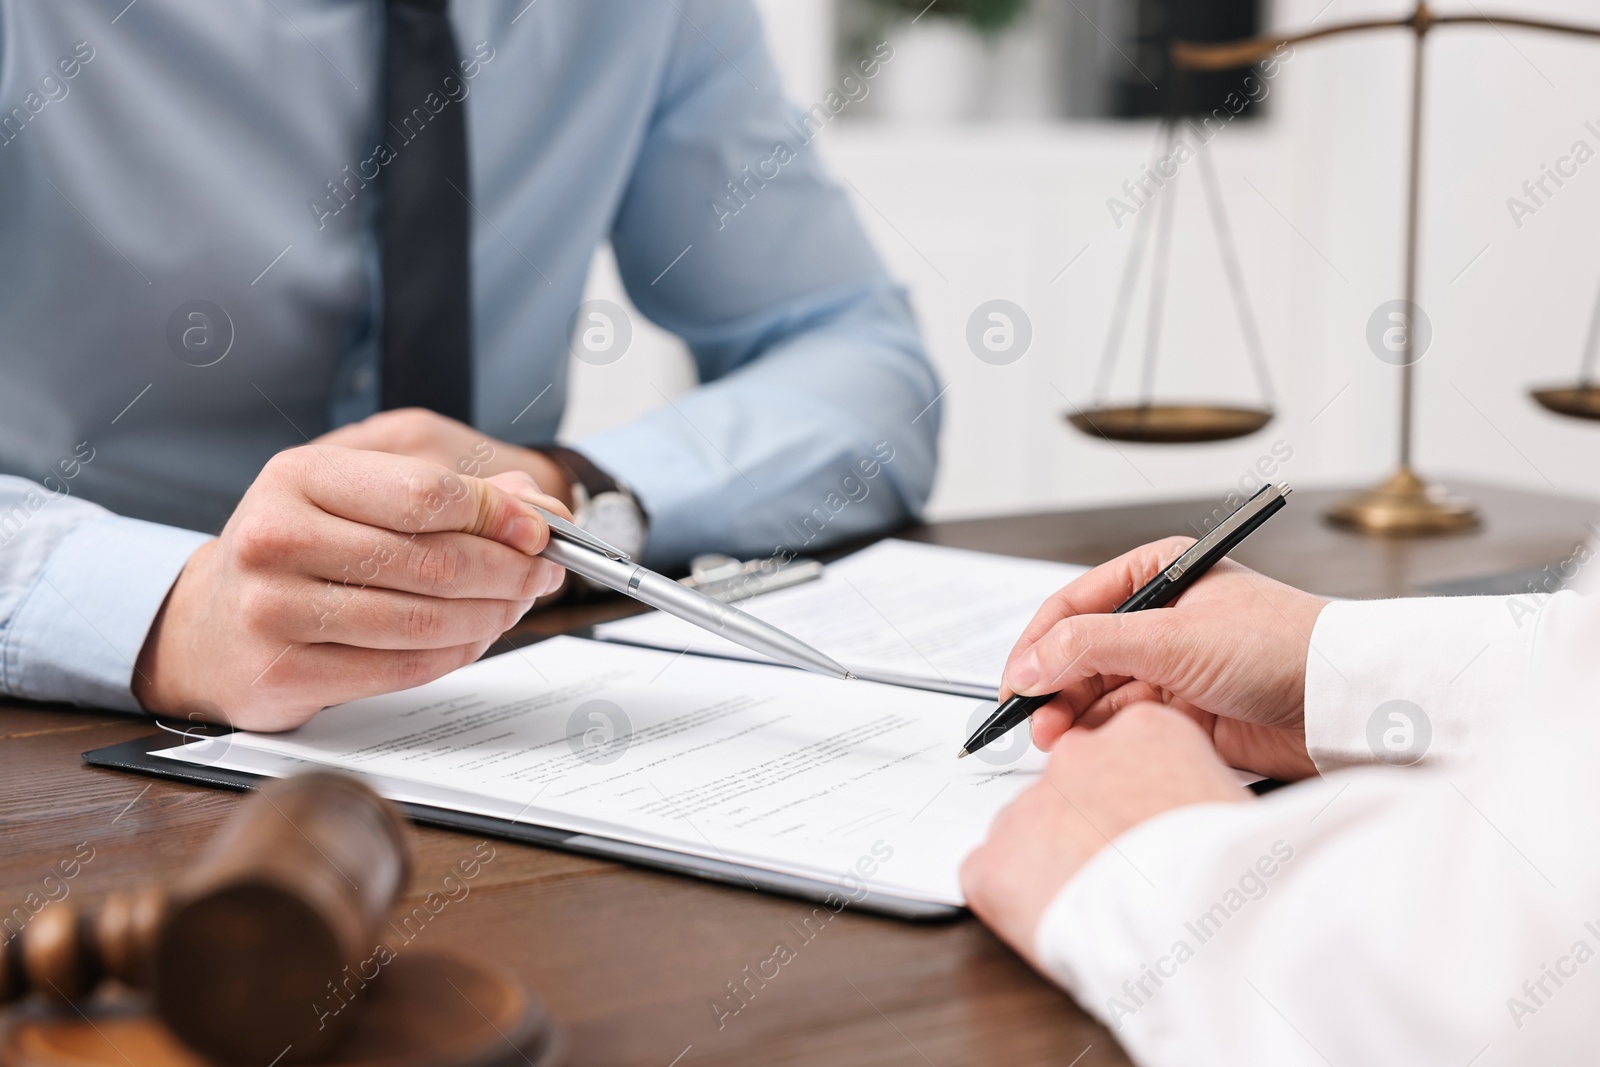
[(1421, 681), (79, 588), (1375, 915), (820, 415)]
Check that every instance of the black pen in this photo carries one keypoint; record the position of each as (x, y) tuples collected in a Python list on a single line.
[(1158, 592)]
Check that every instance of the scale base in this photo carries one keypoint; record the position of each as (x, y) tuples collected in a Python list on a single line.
[(1580, 401), (1404, 506)]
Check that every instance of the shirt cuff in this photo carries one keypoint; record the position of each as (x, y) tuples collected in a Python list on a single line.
[(1142, 907), (1415, 680), (672, 481), (78, 631)]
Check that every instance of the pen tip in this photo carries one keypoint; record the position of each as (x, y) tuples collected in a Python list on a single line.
[(962, 754), (850, 677)]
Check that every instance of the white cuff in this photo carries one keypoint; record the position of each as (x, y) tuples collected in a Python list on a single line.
[(1129, 923), (1416, 680)]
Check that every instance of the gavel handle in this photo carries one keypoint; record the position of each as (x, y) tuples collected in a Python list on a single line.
[(64, 953)]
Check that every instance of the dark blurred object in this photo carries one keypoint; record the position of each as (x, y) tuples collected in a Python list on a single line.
[(1522, 581), (242, 953), (1156, 87), (1581, 401), (292, 891), (988, 16), (428, 1011)]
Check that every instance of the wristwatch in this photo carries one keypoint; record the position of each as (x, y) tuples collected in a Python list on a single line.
[(602, 505)]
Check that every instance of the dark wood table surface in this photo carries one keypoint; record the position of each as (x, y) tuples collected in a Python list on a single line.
[(628, 960)]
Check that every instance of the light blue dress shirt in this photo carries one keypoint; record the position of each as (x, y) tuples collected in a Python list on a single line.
[(167, 159)]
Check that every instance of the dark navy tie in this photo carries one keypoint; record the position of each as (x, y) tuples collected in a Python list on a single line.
[(426, 333)]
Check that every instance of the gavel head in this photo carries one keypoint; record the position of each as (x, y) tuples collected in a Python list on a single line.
[(291, 893)]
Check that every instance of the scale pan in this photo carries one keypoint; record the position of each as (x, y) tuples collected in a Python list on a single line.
[(1578, 401), (1170, 424)]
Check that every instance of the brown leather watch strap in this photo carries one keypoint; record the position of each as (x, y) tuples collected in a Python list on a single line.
[(580, 470)]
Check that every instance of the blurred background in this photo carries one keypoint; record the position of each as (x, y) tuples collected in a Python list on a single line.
[(982, 159)]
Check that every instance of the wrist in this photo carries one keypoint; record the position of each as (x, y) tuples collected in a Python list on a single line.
[(161, 669), (603, 504), (550, 475)]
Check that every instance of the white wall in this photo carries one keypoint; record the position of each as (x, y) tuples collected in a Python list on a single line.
[(999, 210)]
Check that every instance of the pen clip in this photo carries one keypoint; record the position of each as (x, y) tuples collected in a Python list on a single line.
[(567, 531), (1224, 529)]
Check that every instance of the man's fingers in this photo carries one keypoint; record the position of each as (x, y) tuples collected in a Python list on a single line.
[(1090, 710), (1149, 758), (1134, 692), (1049, 723), (1085, 646), (384, 619), (329, 549), (332, 674), (1068, 708), (504, 503), (403, 431), (525, 488), (1101, 590), (410, 496)]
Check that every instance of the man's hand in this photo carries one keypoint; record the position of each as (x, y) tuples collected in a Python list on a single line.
[(424, 434), (1098, 783), (1230, 654), (344, 574)]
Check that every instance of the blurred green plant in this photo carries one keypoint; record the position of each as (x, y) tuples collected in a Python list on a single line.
[(986, 16)]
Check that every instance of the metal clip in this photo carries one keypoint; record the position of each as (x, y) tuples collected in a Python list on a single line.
[(567, 531)]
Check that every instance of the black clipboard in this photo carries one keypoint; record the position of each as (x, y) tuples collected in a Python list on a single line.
[(136, 756)]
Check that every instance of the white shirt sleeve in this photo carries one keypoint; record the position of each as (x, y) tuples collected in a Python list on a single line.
[(1379, 917), (1455, 660), (1435, 915), (1463, 664)]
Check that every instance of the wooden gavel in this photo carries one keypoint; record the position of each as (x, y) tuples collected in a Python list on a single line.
[(238, 953)]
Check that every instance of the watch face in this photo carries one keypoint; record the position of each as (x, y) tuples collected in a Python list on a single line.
[(615, 519)]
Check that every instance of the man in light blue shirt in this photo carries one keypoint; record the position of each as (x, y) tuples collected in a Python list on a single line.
[(191, 287)]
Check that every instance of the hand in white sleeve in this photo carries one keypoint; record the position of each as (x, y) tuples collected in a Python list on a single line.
[(1230, 654), (1446, 914), (1097, 784)]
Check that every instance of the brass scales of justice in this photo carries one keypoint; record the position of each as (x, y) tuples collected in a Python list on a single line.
[(1404, 505)]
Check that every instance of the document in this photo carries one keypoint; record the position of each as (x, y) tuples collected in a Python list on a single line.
[(900, 612), (847, 782)]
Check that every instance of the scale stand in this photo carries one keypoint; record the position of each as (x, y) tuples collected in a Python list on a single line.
[(1405, 505)]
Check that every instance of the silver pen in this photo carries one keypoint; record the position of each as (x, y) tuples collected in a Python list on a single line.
[(583, 553)]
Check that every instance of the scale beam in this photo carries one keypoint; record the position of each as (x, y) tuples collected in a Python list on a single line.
[(1227, 55)]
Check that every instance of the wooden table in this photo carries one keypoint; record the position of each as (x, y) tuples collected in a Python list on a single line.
[(630, 960)]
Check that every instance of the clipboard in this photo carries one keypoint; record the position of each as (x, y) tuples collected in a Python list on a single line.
[(138, 756)]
